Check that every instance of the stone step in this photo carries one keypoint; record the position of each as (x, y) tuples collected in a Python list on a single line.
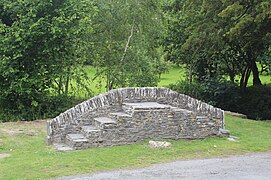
[(224, 132), (90, 131), (143, 106), (115, 115), (182, 113), (104, 123), (77, 141)]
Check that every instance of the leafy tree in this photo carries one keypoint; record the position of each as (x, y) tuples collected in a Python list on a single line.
[(265, 61), (42, 46), (127, 42), (217, 37), (251, 24)]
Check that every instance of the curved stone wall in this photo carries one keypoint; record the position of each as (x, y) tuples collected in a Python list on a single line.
[(67, 121)]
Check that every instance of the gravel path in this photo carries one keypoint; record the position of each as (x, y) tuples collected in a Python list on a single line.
[(246, 167)]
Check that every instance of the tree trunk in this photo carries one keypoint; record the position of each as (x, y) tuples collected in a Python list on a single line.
[(60, 85), (255, 72), (232, 72), (232, 76), (254, 68), (108, 79), (190, 74), (244, 79), (67, 81), (247, 77), (122, 78)]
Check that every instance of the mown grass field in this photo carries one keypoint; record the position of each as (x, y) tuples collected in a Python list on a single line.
[(98, 84), (32, 159), (175, 74)]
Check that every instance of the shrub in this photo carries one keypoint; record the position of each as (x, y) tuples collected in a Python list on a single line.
[(255, 102), (49, 106), (214, 91)]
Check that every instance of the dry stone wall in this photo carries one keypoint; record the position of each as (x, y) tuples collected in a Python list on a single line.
[(127, 115)]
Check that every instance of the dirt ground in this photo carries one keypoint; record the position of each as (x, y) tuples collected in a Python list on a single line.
[(20, 125), (26, 128), (37, 123)]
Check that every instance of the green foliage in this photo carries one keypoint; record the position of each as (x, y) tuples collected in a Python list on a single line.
[(42, 45), (48, 106), (255, 102), (215, 91), (127, 42), (219, 37)]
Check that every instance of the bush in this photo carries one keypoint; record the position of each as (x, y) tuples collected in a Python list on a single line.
[(255, 102), (47, 107), (217, 92)]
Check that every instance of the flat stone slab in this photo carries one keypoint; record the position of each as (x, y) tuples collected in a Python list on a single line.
[(89, 128), (159, 144), (120, 114), (176, 109), (4, 155), (105, 120), (147, 105), (63, 147), (77, 137)]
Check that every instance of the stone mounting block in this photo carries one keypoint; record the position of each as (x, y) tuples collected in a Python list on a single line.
[(128, 115)]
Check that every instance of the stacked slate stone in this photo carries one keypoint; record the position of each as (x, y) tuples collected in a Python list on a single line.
[(128, 115)]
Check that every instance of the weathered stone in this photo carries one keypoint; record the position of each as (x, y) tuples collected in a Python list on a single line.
[(63, 147), (4, 155), (159, 144), (127, 115), (224, 132), (232, 139)]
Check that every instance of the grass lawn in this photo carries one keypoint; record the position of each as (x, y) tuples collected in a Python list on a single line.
[(31, 159), (175, 74), (98, 84)]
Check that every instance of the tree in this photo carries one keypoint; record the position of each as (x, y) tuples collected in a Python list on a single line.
[(42, 45), (251, 23), (127, 42), (217, 32)]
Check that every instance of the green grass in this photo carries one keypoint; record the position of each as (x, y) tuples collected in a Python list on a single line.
[(97, 85), (266, 79), (31, 159), (175, 74)]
